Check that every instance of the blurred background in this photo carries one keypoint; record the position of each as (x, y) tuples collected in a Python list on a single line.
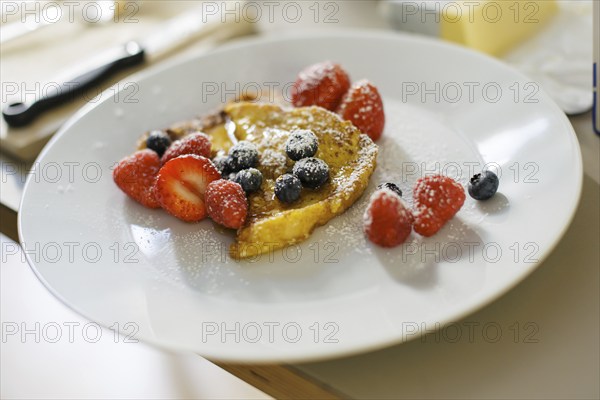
[(47, 42), (44, 43)]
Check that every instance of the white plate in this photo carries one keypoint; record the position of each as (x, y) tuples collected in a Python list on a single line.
[(80, 231)]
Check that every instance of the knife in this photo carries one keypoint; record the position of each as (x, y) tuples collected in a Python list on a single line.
[(172, 35)]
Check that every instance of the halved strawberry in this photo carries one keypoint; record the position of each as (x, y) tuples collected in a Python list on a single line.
[(135, 175), (196, 143), (181, 184), (321, 84), (362, 105)]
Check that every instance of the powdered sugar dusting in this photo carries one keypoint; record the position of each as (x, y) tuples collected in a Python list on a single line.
[(274, 161)]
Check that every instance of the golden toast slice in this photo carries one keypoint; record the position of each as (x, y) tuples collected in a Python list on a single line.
[(271, 224)]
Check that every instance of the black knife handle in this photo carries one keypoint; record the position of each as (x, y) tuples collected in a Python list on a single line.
[(21, 114)]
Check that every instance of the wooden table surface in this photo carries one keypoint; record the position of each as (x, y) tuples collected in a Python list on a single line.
[(549, 324)]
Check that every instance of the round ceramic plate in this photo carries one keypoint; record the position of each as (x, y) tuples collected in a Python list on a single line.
[(155, 278)]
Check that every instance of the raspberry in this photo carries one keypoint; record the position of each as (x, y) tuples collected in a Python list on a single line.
[(362, 105), (135, 175), (437, 199), (387, 221), (226, 203), (321, 84), (197, 143)]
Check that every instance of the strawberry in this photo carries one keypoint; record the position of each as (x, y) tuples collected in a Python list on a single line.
[(226, 203), (362, 105), (135, 175), (437, 199), (196, 143), (321, 84), (181, 185), (387, 221)]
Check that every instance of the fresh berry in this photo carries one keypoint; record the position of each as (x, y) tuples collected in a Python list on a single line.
[(226, 203), (312, 172), (181, 185), (301, 144), (321, 84), (362, 105), (158, 141), (243, 155), (135, 175), (483, 186), (288, 188), (387, 221), (437, 199), (250, 179), (391, 186), (196, 143), (223, 164)]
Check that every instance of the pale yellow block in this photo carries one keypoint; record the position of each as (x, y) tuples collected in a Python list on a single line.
[(494, 27)]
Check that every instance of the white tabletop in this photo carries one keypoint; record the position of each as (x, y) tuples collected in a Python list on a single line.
[(48, 351)]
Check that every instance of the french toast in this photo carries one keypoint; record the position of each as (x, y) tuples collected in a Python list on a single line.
[(271, 224)]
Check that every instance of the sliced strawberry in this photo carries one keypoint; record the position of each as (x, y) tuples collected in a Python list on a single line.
[(226, 203), (135, 175), (181, 184), (437, 199), (196, 143), (362, 105), (321, 84), (387, 221)]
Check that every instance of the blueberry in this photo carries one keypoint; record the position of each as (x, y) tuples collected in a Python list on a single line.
[(312, 172), (158, 141), (243, 155), (391, 186), (288, 188), (483, 186), (250, 179), (223, 164), (301, 144)]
